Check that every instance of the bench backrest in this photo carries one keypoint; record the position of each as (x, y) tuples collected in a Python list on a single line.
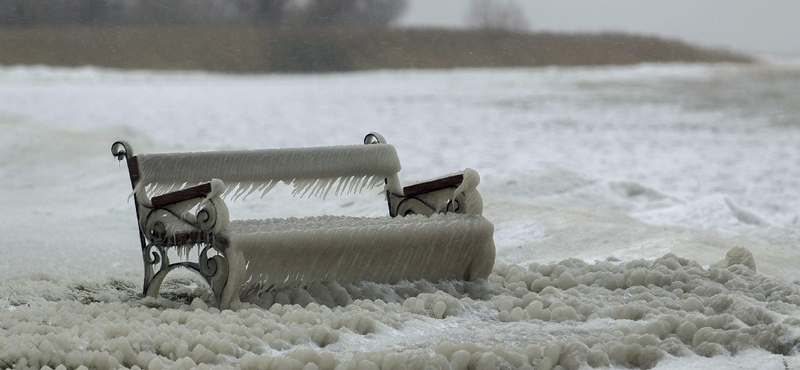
[(312, 171)]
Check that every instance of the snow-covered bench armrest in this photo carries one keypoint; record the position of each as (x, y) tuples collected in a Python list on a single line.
[(452, 181), (199, 191), (455, 193), (171, 216)]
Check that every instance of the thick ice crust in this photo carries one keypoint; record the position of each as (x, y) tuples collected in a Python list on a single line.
[(564, 315), (315, 171), (289, 252)]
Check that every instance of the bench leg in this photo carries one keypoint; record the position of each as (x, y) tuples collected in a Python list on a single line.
[(213, 269), (230, 292), (153, 256)]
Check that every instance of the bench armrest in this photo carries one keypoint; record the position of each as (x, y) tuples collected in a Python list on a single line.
[(453, 193), (179, 216), (437, 184), (198, 191)]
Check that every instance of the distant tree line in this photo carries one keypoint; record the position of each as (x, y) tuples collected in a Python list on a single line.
[(275, 13), (497, 16)]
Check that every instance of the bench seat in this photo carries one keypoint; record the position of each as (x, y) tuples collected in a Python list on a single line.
[(286, 252)]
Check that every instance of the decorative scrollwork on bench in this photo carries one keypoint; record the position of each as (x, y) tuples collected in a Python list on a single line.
[(429, 204), (211, 214), (213, 268), (183, 224), (444, 195), (121, 150), (176, 222)]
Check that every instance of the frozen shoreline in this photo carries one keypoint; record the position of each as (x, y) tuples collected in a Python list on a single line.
[(615, 166)]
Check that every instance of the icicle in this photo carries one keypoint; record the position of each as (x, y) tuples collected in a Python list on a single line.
[(310, 186), (298, 186), (172, 188), (260, 188), (323, 187), (240, 190), (342, 185), (253, 188), (353, 184), (303, 186), (317, 187), (320, 187), (231, 188), (329, 187), (342, 180), (183, 251), (364, 183), (268, 187)]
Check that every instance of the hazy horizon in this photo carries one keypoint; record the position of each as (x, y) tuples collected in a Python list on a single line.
[(768, 26)]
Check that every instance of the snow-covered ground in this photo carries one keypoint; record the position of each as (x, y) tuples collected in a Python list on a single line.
[(616, 194)]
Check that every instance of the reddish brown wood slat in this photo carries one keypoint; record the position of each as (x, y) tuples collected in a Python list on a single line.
[(133, 169), (181, 195), (442, 183)]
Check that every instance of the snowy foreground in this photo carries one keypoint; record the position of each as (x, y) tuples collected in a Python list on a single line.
[(645, 216)]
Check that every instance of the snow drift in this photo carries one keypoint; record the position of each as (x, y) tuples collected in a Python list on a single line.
[(630, 314)]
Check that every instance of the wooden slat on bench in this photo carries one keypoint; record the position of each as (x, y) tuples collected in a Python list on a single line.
[(442, 183), (133, 169), (185, 194)]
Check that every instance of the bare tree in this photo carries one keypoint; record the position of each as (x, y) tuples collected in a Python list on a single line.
[(39, 12), (497, 15), (380, 13), (19, 12), (329, 12), (355, 13)]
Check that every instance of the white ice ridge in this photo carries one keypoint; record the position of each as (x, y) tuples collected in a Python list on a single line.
[(292, 252), (312, 171)]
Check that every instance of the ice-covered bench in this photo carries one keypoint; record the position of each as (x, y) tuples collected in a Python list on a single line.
[(180, 207)]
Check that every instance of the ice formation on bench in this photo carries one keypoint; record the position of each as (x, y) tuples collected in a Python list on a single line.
[(209, 214), (312, 171), (291, 252), (179, 199)]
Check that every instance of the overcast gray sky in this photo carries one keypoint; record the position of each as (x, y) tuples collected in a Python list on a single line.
[(757, 26)]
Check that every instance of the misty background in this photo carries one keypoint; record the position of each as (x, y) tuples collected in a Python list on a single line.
[(765, 26), (768, 26), (273, 13), (255, 36)]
